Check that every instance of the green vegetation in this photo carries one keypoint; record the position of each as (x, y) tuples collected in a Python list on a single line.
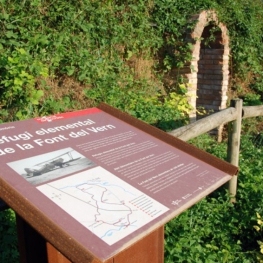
[(67, 55), (8, 238), (114, 47), (259, 229), (215, 230)]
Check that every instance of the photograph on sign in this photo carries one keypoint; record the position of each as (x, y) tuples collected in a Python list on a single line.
[(50, 166)]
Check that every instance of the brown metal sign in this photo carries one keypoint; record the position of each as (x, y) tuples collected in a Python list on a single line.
[(95, 181)]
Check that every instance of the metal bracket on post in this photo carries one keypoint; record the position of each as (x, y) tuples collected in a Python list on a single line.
[(234, 132)]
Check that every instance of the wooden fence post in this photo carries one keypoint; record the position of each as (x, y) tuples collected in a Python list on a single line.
[(234, 132)]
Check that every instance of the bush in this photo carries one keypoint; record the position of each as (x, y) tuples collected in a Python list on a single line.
[(19, 73), (100, 44)]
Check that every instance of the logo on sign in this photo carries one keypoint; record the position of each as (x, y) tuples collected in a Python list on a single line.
[(49, 118)]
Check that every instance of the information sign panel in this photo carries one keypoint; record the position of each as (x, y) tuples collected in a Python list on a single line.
[(95, 181)]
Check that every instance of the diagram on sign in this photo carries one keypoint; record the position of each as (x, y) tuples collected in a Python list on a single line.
[(109, 207)]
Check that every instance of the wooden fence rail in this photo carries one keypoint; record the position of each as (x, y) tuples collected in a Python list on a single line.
[(233, 117), (252, 111), (213, 121), (204, 125)]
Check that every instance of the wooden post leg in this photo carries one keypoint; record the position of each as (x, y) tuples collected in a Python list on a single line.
[(34, 248), (31, 245), (150, 249), (54, 256)]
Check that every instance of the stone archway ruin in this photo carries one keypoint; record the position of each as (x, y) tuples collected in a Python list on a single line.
[(207, 75)]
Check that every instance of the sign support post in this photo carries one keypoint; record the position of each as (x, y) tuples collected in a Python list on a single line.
[(34, 248)]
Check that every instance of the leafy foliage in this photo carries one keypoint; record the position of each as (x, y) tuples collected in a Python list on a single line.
[(97, 44), (259, 229), (214, 230), (17, 82), (8, 238), (164, 112)]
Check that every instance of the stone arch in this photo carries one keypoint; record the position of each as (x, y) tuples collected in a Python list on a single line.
[(207, 74)]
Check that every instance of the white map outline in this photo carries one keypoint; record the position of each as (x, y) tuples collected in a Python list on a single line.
[(106, 205)]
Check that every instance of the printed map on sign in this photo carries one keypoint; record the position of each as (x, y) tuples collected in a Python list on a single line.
[(103, 203)]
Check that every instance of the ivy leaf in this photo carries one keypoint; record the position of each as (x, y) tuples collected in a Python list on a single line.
[(36, 95)]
